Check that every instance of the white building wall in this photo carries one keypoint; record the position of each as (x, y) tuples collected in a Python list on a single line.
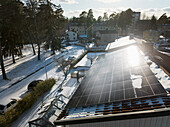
[(162, 121), (72, 36), (81, 30)]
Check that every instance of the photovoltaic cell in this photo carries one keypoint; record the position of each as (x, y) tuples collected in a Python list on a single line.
[(111, 79), (82, 100), (104, 97)]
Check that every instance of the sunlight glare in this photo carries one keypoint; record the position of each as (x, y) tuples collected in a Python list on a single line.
[(133, 56)]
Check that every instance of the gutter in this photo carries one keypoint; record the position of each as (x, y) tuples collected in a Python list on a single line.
[(115, 117)]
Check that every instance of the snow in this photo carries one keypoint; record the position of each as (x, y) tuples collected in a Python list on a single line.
[(28, 65), (80, 112), (73, 42), (167, 48), (136, 81), (124, 41), (85, 61), (22, 68), (163, 78), (69, 87), (20, 88), (91, 45)]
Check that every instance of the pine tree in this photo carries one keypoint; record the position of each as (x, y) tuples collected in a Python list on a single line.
[(153, 23)]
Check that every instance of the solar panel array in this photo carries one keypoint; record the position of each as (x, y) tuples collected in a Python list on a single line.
[(110, 79)]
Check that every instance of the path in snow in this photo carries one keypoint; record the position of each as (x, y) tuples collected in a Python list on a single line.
[(26, 68)]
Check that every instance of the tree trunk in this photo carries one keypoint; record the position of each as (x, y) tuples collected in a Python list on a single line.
[(13, 57), (20, 51), (2, 65), (53, 51), (36, 28), (37, 38), (39, 51), (65, 74), (30, 39), (33, 48)]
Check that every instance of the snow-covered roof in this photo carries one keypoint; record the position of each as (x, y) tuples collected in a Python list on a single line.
[(124, 41), (117, 107), (86, 61)]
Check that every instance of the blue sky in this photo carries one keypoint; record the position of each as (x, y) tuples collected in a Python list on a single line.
[(149, 7)]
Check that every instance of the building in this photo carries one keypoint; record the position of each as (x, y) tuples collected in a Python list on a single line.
[(163, 27), (101, 26), (118, 90), (80, 29), (110, 94), (151, 35), (71, 36), (136, 17), (106, 36), (141, 26), (83, 39)]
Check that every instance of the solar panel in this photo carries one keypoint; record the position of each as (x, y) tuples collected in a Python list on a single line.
[(111, 79)]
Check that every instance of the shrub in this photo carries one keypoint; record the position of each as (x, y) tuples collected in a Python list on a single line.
[(78, 59), (26, 102)]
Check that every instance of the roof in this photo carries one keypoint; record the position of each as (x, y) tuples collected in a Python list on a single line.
[(129, 78), (163, 24), (101, 93), (136, 12), (100, 24), (77, 24), (83, 36), (142, 25), (108, 31), (143, 22), (136, 106)]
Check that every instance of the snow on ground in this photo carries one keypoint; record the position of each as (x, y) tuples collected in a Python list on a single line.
[(120, 42), (73, 42), (68, 88), (27, 67), (74, 51), (23, 68), (32, 114), (21, 87)]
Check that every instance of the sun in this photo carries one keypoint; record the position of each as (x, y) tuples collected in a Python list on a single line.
[(133, 57)]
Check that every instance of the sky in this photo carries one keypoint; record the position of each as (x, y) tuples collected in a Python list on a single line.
[(148, 7)]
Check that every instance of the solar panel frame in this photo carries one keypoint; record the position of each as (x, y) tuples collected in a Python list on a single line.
[(109, 80)]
